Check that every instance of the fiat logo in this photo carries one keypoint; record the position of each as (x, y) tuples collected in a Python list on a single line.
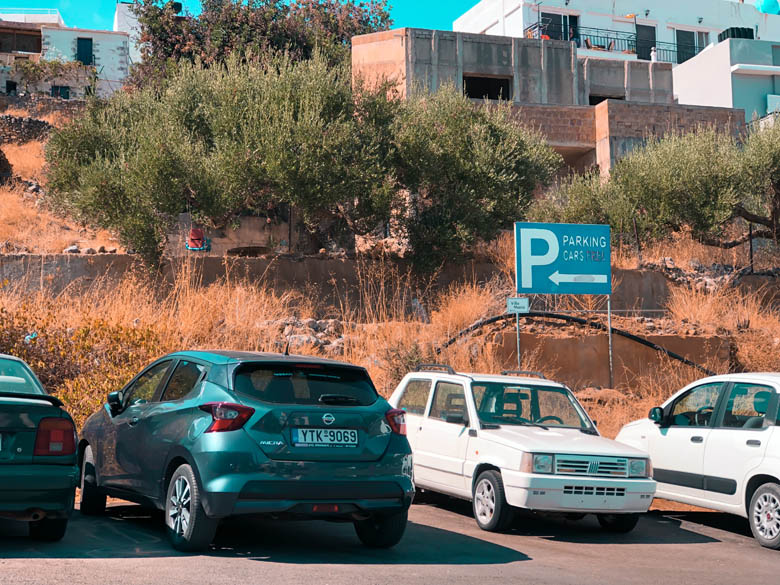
[(328, 418)]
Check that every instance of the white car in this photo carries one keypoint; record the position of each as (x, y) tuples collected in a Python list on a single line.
[(715, 444), (518, 441)]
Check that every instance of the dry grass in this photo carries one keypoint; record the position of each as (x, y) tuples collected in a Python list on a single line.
[(27, 159)]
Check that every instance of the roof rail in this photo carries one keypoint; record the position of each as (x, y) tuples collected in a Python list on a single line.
[(436, 368), (524, 373)]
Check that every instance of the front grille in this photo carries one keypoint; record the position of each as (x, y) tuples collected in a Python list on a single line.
[(587, 490), (591, 466)]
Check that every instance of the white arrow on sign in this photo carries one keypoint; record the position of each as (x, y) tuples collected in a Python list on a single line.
[(558, 278)]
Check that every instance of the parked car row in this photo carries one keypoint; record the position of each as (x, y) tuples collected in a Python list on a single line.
[(208, 435)]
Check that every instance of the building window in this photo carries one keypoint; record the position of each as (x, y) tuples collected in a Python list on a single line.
[(84, 51), (645, 41), (10, 87), (60, 91), (686, 45), (702, 40), (559, 27), (491, 88)]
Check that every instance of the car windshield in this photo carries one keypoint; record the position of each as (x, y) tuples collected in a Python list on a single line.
[(16, 378), (525, 404), (305, 383)]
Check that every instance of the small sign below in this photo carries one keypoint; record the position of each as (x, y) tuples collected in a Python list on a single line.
[(518, 305)]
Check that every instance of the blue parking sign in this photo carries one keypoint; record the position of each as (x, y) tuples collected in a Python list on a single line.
[(561, 258)]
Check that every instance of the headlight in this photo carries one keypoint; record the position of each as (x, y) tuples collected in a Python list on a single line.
[(638, 468), (543, 463)]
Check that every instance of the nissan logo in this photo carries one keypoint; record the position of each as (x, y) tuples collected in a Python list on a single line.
[(328, 418)]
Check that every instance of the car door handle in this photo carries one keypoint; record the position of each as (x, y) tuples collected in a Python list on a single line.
[(753, 443), (697, 439), (134, 421)]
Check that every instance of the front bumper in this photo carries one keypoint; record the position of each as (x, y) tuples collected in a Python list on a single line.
[(551, 493), (28, 490)]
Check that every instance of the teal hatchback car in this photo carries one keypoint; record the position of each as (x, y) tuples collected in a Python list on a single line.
[(204, 435), (38, 472)]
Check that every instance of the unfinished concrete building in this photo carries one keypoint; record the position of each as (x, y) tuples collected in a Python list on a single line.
[(592, 111)]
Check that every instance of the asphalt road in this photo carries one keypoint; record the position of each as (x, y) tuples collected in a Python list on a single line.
[(442, 545)]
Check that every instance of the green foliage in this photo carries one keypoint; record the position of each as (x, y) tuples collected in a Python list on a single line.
[(692, 180), (247, 137), (31, 73), (472, 170), (251, 28)]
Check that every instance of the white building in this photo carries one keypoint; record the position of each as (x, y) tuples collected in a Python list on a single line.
[(664, 30), (736, 73), (50, 16), (35, 35), (126, 21)]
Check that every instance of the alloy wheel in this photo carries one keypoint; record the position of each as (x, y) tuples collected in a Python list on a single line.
[(766, 516), (484, 501), (179, 506)]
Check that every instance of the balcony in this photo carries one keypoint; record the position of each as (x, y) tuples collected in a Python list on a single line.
[(615, 42)]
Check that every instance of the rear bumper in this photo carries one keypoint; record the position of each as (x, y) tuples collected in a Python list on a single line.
[(577, 494), (29, 490), (305, 498)]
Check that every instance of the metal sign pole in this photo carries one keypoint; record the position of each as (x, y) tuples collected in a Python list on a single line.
[(517, 319), (609, 327)]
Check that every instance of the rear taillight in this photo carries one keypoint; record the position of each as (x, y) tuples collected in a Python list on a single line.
[(55, 436), (397, 420), (227, 416)]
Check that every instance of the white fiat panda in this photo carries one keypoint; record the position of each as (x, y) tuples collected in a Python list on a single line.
[(715, 444), (518, 441)]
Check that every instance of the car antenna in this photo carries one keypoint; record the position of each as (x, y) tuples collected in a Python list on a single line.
[(287, 348)]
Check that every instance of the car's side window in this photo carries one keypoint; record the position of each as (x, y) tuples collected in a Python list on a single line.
[(415, 396), (143, 389), (183, 381), (449, 402), (747, 406), (696, 407)]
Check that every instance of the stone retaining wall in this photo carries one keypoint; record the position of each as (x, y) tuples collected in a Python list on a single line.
[(18, 130)]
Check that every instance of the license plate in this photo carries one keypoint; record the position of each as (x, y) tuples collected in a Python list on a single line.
[(325, 437)]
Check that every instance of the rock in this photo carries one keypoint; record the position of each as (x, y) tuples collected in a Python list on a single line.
[(111, 250), (101, 250), (6, 171), (310, 324), (303, 340), (90, 251), (322, 252), (600, 395), (74, 249), (668, 263)]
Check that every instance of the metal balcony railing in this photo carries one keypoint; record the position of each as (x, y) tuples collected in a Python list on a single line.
[(614, 41)]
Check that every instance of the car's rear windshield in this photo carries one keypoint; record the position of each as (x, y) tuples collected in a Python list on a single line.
[(16, 378), (305, 383)]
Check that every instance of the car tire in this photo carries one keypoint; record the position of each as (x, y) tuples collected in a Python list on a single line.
[(764, 515), (491, 510), (619, 523), (48, 529), (93, 502), (382, 530), (189, 528)]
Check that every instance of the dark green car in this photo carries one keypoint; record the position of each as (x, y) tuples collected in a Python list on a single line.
[(38, 472), (207, 435)]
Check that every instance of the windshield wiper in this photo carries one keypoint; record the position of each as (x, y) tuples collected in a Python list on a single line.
[(338, 399), (589, 431), (533, 424)]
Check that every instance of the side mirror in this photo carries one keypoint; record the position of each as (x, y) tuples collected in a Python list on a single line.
[(656, 415), (115, 403), (456, 418)]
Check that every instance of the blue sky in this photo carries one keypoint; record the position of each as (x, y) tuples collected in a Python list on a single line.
[(99, 14)]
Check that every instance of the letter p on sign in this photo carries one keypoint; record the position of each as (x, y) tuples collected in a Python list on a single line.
[(528, 259)]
